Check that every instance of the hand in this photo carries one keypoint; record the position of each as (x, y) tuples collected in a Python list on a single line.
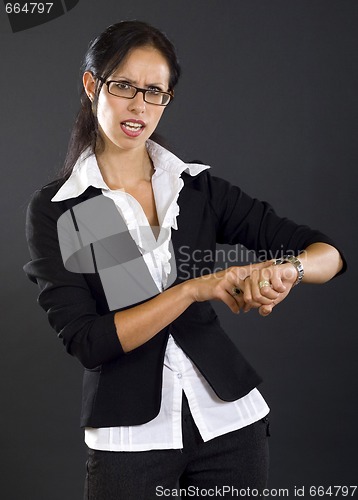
[(279, 279), (222, 285), (246, 279)]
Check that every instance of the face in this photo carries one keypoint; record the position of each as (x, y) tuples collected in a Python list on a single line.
[(128, 123)]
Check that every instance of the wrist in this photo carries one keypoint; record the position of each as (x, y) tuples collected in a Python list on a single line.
[(295, 264), (289, 273), (188, 290)]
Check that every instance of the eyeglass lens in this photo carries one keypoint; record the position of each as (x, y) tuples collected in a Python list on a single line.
[(128, 92)]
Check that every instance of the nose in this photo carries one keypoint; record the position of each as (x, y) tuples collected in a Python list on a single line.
[(137, 104)]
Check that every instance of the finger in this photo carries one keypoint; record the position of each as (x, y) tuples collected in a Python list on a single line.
[(241, 303), (276, 280), (273, 276), (250, 301), (238, 297), (247, 296), (247, 290), (267, 290), (243, 272), (256, 286), (266, 309), (255, 290), (232, 301)]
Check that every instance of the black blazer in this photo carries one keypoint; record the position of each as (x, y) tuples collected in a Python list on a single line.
[(125, 388)]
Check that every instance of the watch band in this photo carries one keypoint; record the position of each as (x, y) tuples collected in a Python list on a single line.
[(295, 262)]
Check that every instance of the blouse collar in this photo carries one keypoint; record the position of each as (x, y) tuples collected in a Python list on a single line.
[(86, 172)]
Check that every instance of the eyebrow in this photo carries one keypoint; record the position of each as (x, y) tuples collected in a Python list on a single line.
[(129, 80)]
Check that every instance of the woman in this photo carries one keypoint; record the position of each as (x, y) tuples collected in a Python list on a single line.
[(168, 401)]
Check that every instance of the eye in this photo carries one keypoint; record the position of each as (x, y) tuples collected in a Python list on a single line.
[(122, 85), (154, 91)]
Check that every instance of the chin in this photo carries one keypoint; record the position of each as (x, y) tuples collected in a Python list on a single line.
[(125, 143)]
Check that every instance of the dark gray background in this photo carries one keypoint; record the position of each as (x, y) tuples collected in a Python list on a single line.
[(268, 97)]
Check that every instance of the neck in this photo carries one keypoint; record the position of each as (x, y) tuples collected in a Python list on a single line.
[(124, 169)]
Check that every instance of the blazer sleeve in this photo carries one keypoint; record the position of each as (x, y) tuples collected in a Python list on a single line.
[(241, 219), (64, 295)]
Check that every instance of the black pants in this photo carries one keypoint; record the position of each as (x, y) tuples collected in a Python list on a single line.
[(218, 468)]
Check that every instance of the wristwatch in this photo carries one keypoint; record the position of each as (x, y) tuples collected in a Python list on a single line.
[(295, 262)]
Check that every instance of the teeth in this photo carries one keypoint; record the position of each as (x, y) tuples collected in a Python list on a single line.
[(132, 126)]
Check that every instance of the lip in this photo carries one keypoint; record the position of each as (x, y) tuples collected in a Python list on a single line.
[(132, 133)]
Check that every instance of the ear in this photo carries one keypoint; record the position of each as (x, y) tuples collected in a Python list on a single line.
[(89, 84)]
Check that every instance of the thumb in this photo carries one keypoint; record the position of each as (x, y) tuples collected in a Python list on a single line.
[(265, 310)]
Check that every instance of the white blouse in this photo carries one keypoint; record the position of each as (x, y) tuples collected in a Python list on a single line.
[(212, 416)]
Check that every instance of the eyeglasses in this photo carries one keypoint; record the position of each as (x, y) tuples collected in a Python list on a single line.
[(127, 91)]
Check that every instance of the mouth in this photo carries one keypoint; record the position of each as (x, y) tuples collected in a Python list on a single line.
[(133, 128)]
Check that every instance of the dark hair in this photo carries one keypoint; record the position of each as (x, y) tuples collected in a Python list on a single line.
[(104, 55)]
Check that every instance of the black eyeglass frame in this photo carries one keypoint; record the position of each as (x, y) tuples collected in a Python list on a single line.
[(137, 89)]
